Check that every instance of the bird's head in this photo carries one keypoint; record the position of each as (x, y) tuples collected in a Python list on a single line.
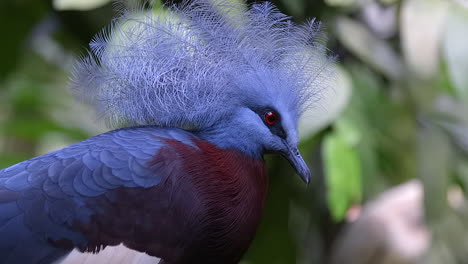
[(239, 77), (263, 121)]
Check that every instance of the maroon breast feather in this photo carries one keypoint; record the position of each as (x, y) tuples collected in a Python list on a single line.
[(206, 209)]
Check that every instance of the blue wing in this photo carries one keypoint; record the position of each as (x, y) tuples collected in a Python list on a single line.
[(42, 197)]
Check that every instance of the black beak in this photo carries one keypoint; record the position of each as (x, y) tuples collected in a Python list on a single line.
[(294, 157)]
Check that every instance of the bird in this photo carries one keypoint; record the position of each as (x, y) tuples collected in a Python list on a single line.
[(196, 94)]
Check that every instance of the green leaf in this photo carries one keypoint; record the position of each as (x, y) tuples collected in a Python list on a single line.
[(435, 163), (343, 174), (342, 3), (81, 5), (383, 125)]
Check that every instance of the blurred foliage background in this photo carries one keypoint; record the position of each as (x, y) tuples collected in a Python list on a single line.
[(397, 114)]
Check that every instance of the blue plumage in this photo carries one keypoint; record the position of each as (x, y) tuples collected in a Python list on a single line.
[(203, 91), (189, 66), (41, 198)]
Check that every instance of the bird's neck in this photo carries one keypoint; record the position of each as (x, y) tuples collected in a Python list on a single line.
[(232, 138)]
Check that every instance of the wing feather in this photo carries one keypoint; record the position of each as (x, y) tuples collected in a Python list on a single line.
[(42, 198)]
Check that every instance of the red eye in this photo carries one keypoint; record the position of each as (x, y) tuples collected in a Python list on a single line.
[(271, 118)]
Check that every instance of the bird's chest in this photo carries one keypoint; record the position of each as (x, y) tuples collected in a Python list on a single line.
[(228, 193), (232, 202)]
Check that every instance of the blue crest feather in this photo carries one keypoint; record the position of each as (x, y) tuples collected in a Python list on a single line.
[(185, 66)]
